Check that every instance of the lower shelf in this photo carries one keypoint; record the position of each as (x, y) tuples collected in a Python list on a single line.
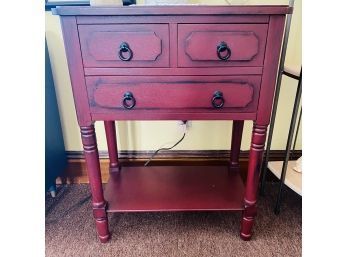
[(174, 188), (293, 179)]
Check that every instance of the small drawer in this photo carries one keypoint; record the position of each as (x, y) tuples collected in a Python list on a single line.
[(132, 45), (212, 94), (221, 44)]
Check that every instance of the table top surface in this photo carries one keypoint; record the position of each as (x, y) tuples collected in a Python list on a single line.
[(175, 10)]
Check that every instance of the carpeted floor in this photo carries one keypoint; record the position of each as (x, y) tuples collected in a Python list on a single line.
[(70, 230)]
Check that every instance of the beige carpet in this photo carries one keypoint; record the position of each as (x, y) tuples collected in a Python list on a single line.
[(70, 230)]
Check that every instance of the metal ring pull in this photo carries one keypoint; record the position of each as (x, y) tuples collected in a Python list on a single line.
[(128, 101), (124, 48), (218, 100), (221, 48)]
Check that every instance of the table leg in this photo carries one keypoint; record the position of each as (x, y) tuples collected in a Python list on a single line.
[(255, 160), (237, 133), (110, 131), (93, 169)]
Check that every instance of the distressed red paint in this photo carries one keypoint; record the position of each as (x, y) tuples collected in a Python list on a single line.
[(173, 75)]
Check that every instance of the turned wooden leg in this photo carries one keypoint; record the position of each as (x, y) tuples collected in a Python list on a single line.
[(237, 133), (110, 131), (255, 159), (93, 168)]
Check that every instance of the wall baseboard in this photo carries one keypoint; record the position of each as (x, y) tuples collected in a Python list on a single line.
[(182, 154), (76, 169)]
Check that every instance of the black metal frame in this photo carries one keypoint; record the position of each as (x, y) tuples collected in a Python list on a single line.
[(282, 72), (288, 151), (289, 142), (275, 100), (52, 4)]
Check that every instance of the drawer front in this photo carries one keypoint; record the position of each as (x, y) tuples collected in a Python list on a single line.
[(125, 45), (221, 44), (212, 94)]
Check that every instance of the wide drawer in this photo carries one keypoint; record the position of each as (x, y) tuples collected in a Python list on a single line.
[(134, 45), (221, 44), (184, 93)]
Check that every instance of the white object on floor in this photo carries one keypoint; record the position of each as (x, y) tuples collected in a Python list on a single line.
[(53, 194), (165, 2), (106, 3), (293, 179), (298, 165)]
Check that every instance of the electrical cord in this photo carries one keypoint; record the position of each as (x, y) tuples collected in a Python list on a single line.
[(164, 148), (59, 197)]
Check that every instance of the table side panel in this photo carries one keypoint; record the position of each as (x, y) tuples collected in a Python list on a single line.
[(274, 42), (73, 53)]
